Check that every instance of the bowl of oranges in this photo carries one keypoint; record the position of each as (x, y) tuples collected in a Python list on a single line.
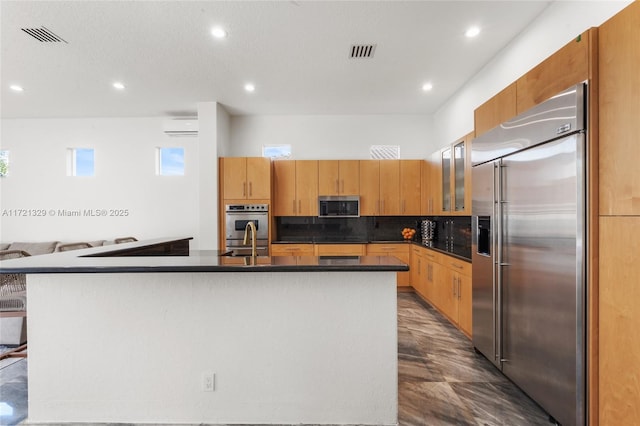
[(408, 233)]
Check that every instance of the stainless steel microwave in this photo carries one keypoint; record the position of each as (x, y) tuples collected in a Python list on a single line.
[(339, 206)]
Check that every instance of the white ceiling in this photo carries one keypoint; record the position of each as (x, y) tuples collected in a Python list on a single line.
[(295, 52)]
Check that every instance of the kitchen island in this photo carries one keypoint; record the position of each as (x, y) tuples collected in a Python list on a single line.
[(203, 338)]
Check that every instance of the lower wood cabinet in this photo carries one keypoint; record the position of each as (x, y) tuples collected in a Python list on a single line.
[(445, 282), (399, 250)]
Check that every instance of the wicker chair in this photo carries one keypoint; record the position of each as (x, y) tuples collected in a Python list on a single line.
[(13, 303), (125, 240)]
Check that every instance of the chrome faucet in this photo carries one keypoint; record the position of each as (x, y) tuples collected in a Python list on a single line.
[(251, 227)]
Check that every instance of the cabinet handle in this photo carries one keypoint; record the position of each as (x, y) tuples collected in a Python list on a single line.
[(454, 288), (299, 206), (419, 267), (294, 206), (342, 185), (337, 186), (250, 189), (429, 255), (457, 266), (244, 189), (459, 289)]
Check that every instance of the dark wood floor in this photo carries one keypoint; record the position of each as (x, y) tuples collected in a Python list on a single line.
[(443, 381)]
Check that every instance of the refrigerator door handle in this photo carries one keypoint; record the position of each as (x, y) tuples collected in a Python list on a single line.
[(498, 215)]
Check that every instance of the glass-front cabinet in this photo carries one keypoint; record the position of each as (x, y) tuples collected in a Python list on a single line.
[(455, 179), (458, 176), (446, 180)]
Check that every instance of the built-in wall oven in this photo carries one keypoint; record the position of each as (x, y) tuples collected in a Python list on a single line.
[(236, 218)]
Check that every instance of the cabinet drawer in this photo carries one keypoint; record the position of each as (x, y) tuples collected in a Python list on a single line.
[(432, 256), (292, 250), (339, 249), (462, 267), (388, 249)]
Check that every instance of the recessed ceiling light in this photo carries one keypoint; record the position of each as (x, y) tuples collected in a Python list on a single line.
[(218, 32), (16, 88), (427, 87), (118, 85), (249, 87), (472, 32)]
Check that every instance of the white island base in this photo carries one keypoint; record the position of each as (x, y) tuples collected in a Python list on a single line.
[(285, 347)]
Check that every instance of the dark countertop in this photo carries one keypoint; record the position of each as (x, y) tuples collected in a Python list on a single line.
[(115, 259)]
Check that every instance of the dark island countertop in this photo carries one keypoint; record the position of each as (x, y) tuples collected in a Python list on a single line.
[(173, 255)]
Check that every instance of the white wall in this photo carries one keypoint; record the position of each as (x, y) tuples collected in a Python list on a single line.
[(125, 179), (331, 136), (286, 348), (561, 22)]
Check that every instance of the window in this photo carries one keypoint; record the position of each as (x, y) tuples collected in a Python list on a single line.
[(276, 151), (170, 162), (4, 163), (80, 162), (385, 152)]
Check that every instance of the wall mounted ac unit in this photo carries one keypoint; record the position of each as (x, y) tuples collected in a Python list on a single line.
[(181, 127)]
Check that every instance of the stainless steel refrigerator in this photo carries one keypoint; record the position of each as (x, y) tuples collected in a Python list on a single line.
[(528, 251)]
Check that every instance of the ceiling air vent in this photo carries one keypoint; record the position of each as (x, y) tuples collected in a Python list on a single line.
[(43, 34), (362, 50)]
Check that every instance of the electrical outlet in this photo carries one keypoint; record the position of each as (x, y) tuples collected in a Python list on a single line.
[(208, 382)]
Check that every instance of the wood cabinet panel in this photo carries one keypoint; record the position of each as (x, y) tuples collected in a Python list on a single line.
[(369, 187), (284, 188), (295, 189), (328, 177), (566, 67), (465, 308), (619, 321), (410, 187), (234, 175), (496, 110), (307, 187), (426, 192), (338, 177), (349, 177), (389, 185), (619, 104), (246, 178), (258, 178)]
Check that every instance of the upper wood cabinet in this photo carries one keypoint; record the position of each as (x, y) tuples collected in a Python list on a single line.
[(246, 178), (389, 187), (568, 66), (338, 177), (410, 187), (619, 106), (496, 110), (295, 191), (369, 187)]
